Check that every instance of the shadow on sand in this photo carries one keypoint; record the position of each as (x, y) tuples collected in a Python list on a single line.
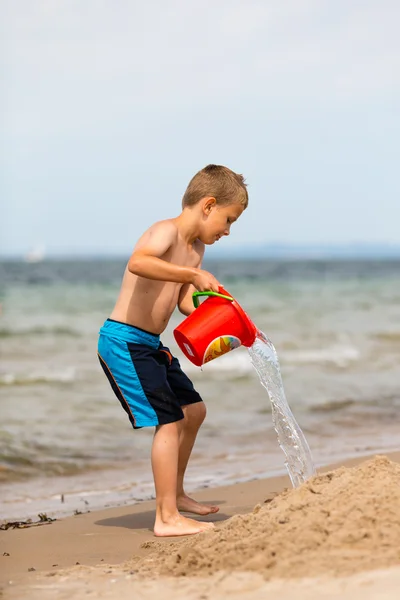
[(145, 520)]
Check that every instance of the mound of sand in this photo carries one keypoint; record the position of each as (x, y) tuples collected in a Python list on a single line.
[(344, 521)]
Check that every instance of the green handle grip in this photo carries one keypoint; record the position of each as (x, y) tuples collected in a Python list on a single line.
[(208, 293)]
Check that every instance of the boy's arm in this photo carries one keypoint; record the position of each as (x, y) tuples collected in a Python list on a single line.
[(185, 301), (146, 260)]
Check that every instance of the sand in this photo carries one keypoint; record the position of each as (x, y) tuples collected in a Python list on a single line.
[(344, 521), (118, 585), (335, 536)]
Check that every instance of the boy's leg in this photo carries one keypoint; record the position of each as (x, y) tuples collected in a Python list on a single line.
[(194, 412), (194, 415), (164, 459), (137, 372)]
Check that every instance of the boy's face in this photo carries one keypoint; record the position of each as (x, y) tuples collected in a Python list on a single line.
[(219, 220)]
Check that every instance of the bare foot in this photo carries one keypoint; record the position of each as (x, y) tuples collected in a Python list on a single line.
[(179, 526), (187, 504)]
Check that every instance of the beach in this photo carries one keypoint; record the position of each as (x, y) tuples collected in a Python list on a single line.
[(113, 553), (151, 149), (68, 452)]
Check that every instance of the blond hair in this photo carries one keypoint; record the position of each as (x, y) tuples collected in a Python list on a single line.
[(218, 182)]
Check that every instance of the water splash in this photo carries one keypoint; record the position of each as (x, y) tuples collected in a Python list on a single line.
[(291, 439)]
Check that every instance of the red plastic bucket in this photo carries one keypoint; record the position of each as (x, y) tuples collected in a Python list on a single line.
[(218, 325)]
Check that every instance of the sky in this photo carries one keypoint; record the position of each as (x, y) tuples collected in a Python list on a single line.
[(109, 107)]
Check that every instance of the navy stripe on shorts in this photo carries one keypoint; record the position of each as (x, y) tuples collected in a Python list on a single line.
[(145, 377)]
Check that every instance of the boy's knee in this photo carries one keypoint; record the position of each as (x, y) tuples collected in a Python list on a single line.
[(194, 414)]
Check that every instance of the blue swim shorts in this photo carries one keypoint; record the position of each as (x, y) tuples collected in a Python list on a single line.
[(145, 377)]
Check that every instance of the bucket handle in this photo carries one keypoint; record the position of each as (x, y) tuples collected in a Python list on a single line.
[(208, 293)]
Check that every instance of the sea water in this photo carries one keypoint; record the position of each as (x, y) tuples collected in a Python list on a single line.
[(63, 434), (299, 462)]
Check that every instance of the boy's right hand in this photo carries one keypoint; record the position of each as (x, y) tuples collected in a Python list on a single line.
[(204, 281)]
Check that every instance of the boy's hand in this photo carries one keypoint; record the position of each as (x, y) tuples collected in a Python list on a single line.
[(204, 281)]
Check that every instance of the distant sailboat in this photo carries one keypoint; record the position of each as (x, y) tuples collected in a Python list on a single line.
[(36, 254)]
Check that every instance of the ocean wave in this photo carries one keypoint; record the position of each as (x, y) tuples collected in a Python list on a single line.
[(361, 409), (387, 336), (22, 459), (68, 375), (338, 355), (17, 468), (7, 332), (239, 363), (332, 405)]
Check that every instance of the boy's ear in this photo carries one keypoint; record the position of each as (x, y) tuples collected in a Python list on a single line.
[(208, 204)]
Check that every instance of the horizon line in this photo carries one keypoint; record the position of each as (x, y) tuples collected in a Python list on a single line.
[(265, 251)]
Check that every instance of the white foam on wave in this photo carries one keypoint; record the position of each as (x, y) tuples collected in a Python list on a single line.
[(238, 362), (67, 375), (339, 355)]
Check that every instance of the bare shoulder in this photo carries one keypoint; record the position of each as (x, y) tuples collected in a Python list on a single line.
[(161, 232), (166, 227)]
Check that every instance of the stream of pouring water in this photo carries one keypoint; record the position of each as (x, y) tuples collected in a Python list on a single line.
[(291, 439)]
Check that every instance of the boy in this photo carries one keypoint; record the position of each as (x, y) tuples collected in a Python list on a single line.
[(162, 273)]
